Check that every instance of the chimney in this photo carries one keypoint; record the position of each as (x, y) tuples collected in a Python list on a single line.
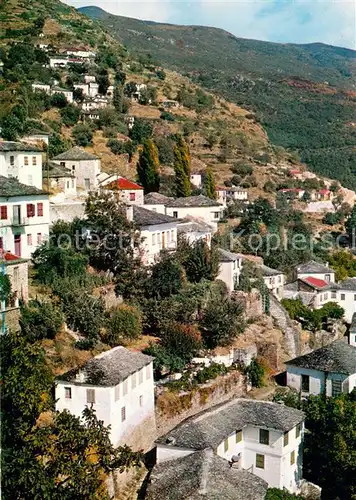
[(129, 213)]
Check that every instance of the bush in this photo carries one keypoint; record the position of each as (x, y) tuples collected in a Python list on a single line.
[(165, 115), (40, 320), (255, 372), (84, 313), (242, 169), (125, 323), (82, 134), (59, 100), (70, 115), (182, 340), (210, 372)]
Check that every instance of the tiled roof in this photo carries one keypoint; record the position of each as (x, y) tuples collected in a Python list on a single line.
[(225, 256), (313, 267), (337, 357), (268, 271), (76, 153), (143, 217), (194, 201), (209, 428), (203, 476), (56, 171), (123, 184), (108, 369), (157, 199), (8, 146), (315, 282), (193, 225), (10, 258), (348, 284), (12, 187)]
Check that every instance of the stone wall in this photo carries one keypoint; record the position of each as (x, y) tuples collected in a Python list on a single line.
[(173, 407), (252, 303), (291, 331)]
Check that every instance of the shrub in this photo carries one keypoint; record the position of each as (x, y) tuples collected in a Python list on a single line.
[(59, 100), (82, 134), (255, 372), (40, 320), (165, 115), (70, 115), (241, 169), (182, 340), (125, 323)]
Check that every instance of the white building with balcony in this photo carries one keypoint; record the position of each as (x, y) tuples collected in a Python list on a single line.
[(85, 166), (196, 206), (21, 161), (24, 217), (229, 269), (118, 384), (261, 437), (233, 193)]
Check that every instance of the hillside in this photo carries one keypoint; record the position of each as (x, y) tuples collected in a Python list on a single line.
[(304, 95)]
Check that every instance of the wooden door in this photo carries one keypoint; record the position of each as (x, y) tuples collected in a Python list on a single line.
[(17, 242)]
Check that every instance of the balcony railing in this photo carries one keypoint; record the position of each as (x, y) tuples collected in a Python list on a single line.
[(19, 221)]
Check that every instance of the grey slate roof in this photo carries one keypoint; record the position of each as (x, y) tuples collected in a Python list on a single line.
[(12, 187), (143, 217), (209, 428), (313, 267), (56, 171), (156, 199), (348, 284), (193, 225), (194, 201), (8, 146), (353, 323), (203, 475), (108, 369), (337, 357), (76, 153), (268, 271), (225, 256)]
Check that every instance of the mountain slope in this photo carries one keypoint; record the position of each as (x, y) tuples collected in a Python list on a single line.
[(304, 95)]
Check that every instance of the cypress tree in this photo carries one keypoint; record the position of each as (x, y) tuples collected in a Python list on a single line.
[(209, 185), (182, 168), (118, 98), (148, 167)]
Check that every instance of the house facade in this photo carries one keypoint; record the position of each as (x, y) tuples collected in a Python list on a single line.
[(330, 370), (196, 206), (118, 384), (24, 217), (128, 191), (274, 281), (262, 437), (194, 229), (230, 269), (21, 161), (313, 292), (344, 294), (85, 166), (226, 194), (157, 202), (59, 179), (37, 137), (196, 180), (316, 270)]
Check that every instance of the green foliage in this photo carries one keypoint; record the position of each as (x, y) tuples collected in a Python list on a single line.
[(59, 100), (125, 323), (165, 147), (148, 167), (344, 264), (141, 131), (11, 127), (166, 277), (70, 115), (5, 287), (102, 79), (242, 169), (182, 168), (57, 145), (40, 320), (82, 134), (221, 321), (255, 372), (199, 261), (209, 184), (183, 341), (312, 319), (199, 100), (165, 115), (350, 225), (276, 494), (118, 98)]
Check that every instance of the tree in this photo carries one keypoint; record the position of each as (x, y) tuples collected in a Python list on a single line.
[(102, 79), (70, 115), (209, 185), (255, 372), (57, 145), (40, 320), (118, 98), (11, 127), (125, 323), (182, 340), (5, 287), (82, 134), (306, 197), (199, 261), (78, 95), (59, 100), (141, 130), (148, 167), (182, 168), (350, 226), (221, 321), (167, 277)]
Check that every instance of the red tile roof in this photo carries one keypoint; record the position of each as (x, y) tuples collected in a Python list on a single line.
[(324, 191), (124, 184), (8, 256), (315, 282)]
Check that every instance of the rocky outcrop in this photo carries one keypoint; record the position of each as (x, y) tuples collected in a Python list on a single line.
[(291, 330)]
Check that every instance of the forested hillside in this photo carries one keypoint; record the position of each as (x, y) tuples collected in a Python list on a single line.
[(304, 96)]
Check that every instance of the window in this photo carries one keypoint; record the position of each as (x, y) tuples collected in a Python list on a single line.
[(226, 445), (168, 236), (62, 163), (148, 372), (68, 392), (25, 160), (90, 396), (216, 215), (153, 239), (336, 387), (34, 160), (87, 184), (238, 436), (132, 196), (264, 436), (117, 392), (31, 210), (73, 168), (140, 376), (72, 183), (354, 297), (333, 295), (39, 238), (123, 414), (298, 431), (172, 235), (292, 458), (16, 274), (3, 212), (286, 439), (126, 386), (29, 240), (342, 296), (325, 296), (175, 214), (12, 161), (68, 184), (1, 243), (140, 399), (260, 461), (40, 209), (133, 381), (327, 278), (305, 383)]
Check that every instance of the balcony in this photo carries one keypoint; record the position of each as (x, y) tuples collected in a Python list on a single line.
[(19, 221)]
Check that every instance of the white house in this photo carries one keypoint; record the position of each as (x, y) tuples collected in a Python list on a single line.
[(274, 280), (58, 62), (80, 52), (315, 270), (89, 79), (313, 292), (225, 194), (230, 268), (118, 384), (24, 217), (261, 437), (194, 229), (59, 179), (157, 202), (158, 231), (196, 206), (93, 89), (330, 370), (128, 191), (344, 294), (22, 161), (37, 137), (85, 166), (84, 87), (195, 179), (68, 94), (41, 87)]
